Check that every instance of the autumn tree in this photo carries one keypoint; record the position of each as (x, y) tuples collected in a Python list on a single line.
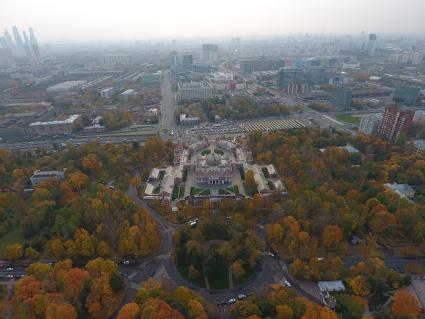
[(250, 183), (13, 252), (62, 311), (129, 311), (359, 286), (405, 304), (331, 235)]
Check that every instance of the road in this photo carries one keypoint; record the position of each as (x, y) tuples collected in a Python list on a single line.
[(168, 104), (270, 271), (48, 143)]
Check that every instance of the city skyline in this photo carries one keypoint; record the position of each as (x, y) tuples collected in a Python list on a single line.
[(187, 19)]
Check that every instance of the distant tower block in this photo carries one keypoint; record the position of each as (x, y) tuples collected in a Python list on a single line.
[(372, 44), (18, 41), (34, 44), (27, 46)]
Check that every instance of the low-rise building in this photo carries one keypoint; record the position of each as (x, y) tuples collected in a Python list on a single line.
[(128, 93), (194, 91), (67, 86), (41, 176), (152, 78), (107, 93), (417, 146), (331, 286), (188, 120), (57, 127), (403, 190)]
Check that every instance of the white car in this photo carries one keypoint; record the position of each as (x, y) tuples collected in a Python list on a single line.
[(9, 268), (287, 283), (241, 296), (126, 262), (231, 301)]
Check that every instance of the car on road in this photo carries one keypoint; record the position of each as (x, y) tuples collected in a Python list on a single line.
[(270, 254), (124, 275), (231, 301), (126, 262), (241, 296), (10, 268), (287, 283)]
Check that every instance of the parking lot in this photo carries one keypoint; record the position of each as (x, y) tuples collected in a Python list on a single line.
[(272, 125), (246, 127)]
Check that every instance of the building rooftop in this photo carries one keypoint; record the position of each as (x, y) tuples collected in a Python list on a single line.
[(69, 120), (66, 85), (350, 149), (403, 190), (336, 285), (419, 144), (129, 92)]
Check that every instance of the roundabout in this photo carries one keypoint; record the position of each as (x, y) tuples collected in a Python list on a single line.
[(217, 252)]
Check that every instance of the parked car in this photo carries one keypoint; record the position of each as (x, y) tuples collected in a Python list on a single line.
[(231, 301), (287, 283)]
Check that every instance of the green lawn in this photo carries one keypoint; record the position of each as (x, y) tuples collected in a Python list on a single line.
[(265, 172), (205, 192), (157, 190), (197, 282), (12, 237), (248, 273), (234, 189), (223, 191), (219, 278), (178, 192), (195, 190), (206, 152), (218, 151), (161, 175), (348, 118)]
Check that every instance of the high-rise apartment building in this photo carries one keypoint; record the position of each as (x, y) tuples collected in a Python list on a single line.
[(210, 52), (187, 62), (174, 61), (394, 122)]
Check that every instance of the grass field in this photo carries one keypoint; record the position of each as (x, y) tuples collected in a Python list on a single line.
[(198, 281), (348, 118), (12, 237), (219, 278)]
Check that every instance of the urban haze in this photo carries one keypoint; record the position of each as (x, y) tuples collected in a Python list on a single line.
[(222, 159)]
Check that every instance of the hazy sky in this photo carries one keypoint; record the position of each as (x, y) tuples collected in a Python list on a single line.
[(141, 19)]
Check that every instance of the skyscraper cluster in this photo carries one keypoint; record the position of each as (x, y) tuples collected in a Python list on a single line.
[(25, 46)]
